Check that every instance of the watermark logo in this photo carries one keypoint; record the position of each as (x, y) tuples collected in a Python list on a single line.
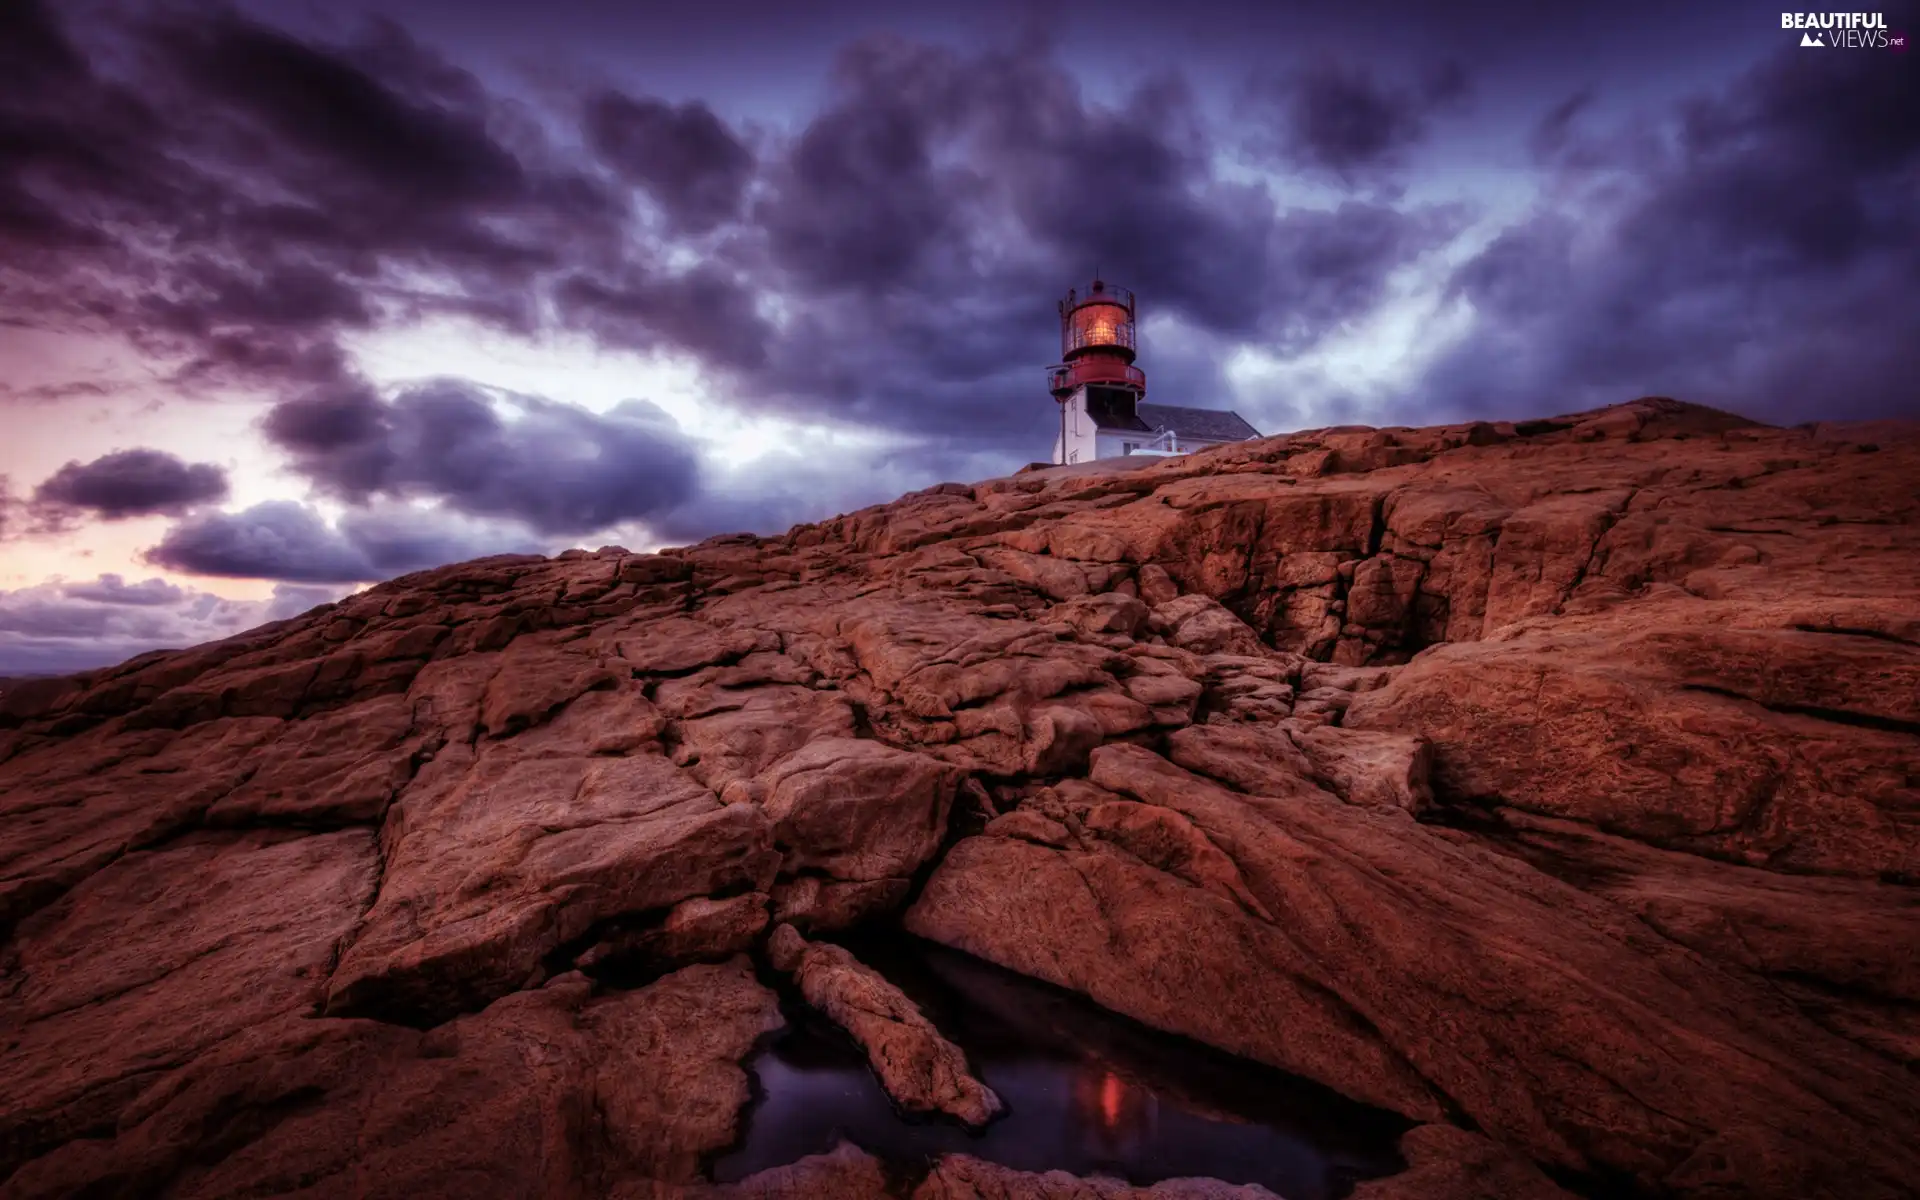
[(1855, 31)]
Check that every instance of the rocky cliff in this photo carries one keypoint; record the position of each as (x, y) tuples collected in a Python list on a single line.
[(1554, 784)]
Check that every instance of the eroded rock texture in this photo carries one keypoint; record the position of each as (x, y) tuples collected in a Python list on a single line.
[(1558, 781), (549, 1091), (921, 1070)]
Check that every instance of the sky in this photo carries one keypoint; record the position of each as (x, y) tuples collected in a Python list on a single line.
[(295, 297)]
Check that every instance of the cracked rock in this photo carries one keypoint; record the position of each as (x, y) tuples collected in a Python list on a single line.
[(921, 1070)]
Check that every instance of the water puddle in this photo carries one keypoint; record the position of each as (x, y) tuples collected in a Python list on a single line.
[(1088, 1092)]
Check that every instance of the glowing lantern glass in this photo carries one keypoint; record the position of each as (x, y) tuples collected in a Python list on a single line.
[(1098, 324)]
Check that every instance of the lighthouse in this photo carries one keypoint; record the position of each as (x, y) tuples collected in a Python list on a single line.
[(1101, 393), (1096, 374)]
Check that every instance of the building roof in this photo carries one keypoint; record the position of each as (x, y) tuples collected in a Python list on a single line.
[(1202, 424), (1110, 421)]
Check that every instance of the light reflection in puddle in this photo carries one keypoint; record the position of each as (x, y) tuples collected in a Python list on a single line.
[(1087, 1092)]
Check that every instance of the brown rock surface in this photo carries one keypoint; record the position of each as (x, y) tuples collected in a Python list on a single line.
[(961, 1177), (1203, 625), (698, 930), (849, 1173), (1560, 777), (163, 957), (846, 1173), (814, 905), (503, 853), (858, 810), (1556, 1004), (1448, 1163), (921, 1070), (1605, 719), (548, 1092)]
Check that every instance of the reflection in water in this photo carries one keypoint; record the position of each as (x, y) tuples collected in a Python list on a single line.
[(1115, 1115), (1087, 1092), (1111, 1093)]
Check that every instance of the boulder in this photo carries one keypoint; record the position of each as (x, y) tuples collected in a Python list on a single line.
[(858, 810), (963, 1177), (921, 1070), (500, 855), (492, 1102), (1203, 625), (1445, 1162), (696, 930), (112, 986), (1109, 612), (1376, 925)]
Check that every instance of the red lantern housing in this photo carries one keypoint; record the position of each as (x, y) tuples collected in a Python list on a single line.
[(1097, 342)]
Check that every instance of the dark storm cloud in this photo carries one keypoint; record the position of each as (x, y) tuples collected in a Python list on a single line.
[(1188, 242), (1554, 132), (338, 436), (231, 198), (417, 127), (686, 158), (704, 310), (1345, 119), (204, 298), (78, 147), (284, 540), (926, 222), (49, 392), (114, 589), (277, 540), (1762, 260), (859, 202), (557, 468), (393, 153), (45, 613), (293, 599), (812, 478), (894, 263), (56, 628), (32, 48), (130, 483), (1333, 266)]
